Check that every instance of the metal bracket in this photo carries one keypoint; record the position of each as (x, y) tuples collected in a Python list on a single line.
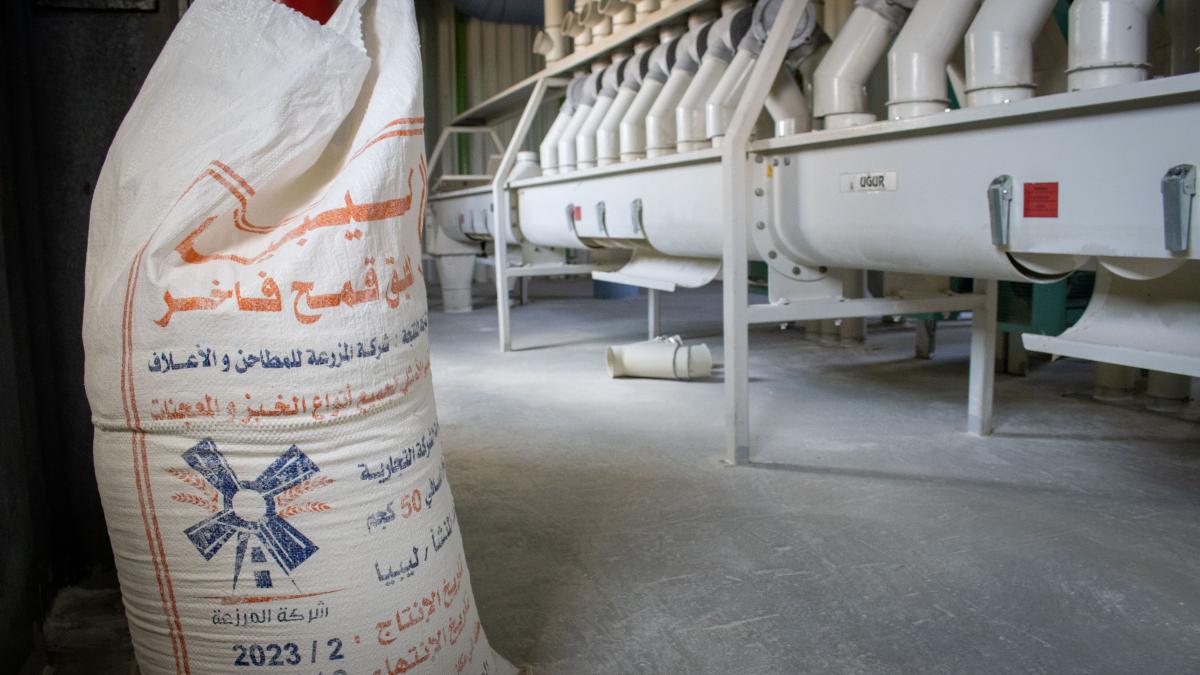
[(1178, 189), (635, 215), (600, 218), (571, 218), (1000, 196)]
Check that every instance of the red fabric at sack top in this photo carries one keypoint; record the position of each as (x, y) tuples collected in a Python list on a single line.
[(317, 10)]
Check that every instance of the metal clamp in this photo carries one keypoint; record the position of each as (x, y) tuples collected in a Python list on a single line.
[(600, 218), (635, 215), (571, 218), (1178, 189), (1000, 196)]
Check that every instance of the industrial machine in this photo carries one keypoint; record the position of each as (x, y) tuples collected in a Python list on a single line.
[(660, 152)]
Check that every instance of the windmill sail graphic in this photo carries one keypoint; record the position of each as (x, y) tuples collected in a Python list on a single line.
[(286, 545)]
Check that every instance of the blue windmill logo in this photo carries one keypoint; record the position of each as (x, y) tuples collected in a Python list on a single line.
[(245, 510)]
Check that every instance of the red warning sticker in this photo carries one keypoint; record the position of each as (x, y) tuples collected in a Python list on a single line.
[(578, 213), (1041, 200)]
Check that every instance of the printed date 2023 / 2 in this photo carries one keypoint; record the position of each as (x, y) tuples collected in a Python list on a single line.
[(285, 654)]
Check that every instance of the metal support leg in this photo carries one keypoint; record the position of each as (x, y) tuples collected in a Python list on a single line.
[(524, 291), (734, 214), (653, 313), (926, 338), (983, 363), (502, 308), (502, 207)]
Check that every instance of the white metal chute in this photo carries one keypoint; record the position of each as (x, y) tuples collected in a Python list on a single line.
[(608, 136), (918, 58), (839, 91), (649, 269), (786, 103), (587, 99), (1108, 42), (1152, 324), (723, 38), (632, 131), (999, 50), (548, 150), (660, 122), (585, 138)]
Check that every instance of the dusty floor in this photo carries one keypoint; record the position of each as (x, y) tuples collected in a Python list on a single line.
[(870, 536)]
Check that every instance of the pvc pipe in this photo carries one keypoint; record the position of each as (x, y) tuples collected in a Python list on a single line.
[(557, 47), (566, 142), (725, 96), (608, 136), (633, 124), (660, 122), (918, 59), (621, 12), (723, 38), (548, 150), (585, 139), (581, 35), (1108, 42), (783, 102), (999, 50), (663, 358), (788, 105), (646, 6), (839, 85)]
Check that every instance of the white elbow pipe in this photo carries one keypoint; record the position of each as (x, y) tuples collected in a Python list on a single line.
[(788, 106), (572, 26), (663, 358), (548, 150), (660, 122), (621, 12), (566, 142), (550, 43), (999, 50), (633, 125), (918, 59), (723, 38), (608, 136), (839, 85), (646, 6), (1108, 42), (806, 42), (585, 139), (725, 96), (595, 20)]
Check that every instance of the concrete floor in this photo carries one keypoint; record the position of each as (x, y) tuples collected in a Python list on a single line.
[(870, 536)]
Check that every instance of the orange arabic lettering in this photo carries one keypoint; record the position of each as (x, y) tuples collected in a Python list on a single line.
[(351, 213)]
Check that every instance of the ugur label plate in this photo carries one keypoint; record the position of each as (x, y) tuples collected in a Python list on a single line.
[(874, 181)]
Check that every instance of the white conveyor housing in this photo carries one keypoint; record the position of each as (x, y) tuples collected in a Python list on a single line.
[(1012, 187)]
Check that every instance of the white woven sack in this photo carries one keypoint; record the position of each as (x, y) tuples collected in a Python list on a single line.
[(257, 360)]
